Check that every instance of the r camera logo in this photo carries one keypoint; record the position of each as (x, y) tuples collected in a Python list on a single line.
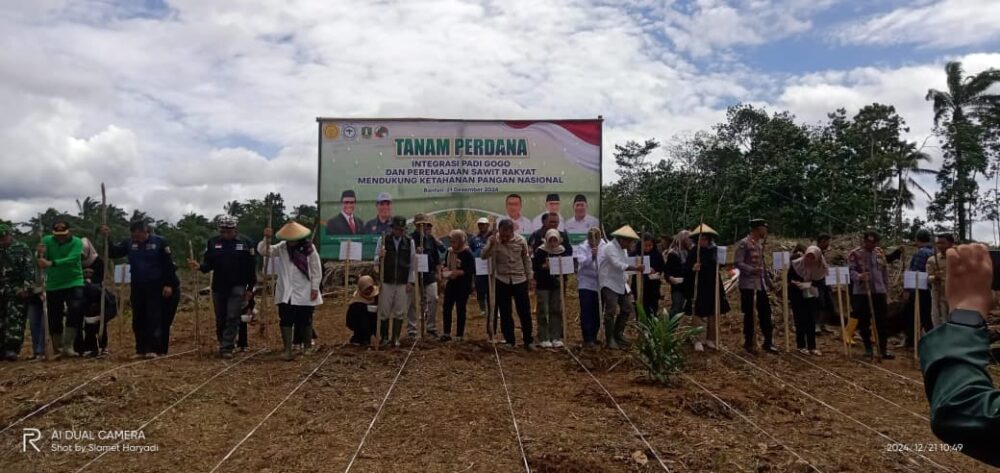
[(29, 437)]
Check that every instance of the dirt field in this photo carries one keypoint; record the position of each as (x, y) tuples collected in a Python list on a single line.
[(448, 410)]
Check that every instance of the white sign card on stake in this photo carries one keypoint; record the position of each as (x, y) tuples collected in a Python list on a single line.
[(567, 265), (350, 250), (909, 279), (721, 255), (482, 267), (831, 278), (780, 259), (843, 275), (423, 265), (123, 274)]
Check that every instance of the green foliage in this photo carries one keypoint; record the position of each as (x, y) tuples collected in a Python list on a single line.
[(660, 348)]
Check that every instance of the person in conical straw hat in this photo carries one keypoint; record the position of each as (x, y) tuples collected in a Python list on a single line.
[(703, 266), (299, 277), (362, 312), (613, 261)]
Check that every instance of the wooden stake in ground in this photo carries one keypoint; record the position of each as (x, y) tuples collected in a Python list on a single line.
[(562, 298), (841, 314), (639, 275), (718, 307), (697, 273), (267, 280), (753, 311), (491, 328), (873, 324), (916, 319), (420, 284), (43, 279), (104, 222), (784, 300), (347, 269), (197, 302)]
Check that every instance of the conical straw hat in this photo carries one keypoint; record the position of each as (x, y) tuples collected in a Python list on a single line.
[(703, 228), (293, 231), (626, 232)]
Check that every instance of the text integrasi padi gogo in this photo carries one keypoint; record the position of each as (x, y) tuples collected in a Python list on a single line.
[(99, 435)]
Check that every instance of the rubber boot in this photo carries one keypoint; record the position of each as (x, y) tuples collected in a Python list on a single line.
[(620, 322), (852, 326), (383, 332), (307, 339), (397, 328), (287, 337), (609, 333), (68, 339)]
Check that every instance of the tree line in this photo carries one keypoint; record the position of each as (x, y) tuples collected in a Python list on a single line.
[(851, 173)]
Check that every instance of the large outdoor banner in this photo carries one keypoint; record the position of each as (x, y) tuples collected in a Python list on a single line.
[(455, 172)]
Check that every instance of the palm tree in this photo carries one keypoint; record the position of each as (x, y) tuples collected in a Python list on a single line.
[(964, 104), (906, 165)]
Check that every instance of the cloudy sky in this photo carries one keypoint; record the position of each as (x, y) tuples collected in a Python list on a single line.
[(181, 105)]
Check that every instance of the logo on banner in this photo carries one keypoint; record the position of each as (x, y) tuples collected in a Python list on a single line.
[(366, 132), (330, 131), (381, 132), (29, 437), (350, 132)]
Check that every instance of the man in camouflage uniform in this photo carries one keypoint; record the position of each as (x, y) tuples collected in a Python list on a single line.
[(17, 275)]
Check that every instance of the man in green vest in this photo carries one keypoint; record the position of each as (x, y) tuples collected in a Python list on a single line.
[(17, 276), (965, 407), (63, 268)]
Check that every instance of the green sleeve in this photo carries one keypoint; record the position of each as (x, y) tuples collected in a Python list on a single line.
[(965, 407)]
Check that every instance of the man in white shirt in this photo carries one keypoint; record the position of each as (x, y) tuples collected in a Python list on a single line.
[(613, 261), (581, 221), (522, 224), (588, 285), (551, 206)]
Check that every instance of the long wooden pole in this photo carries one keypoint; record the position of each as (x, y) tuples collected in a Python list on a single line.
[(916, 318), (197, 301), (420, 282), (105, 256), (562, 298), (873, 326), (641, 274), (697, 273), (718, 306), (347, 270), (43, 275), (491, 276), (264, 322), (784, 300), (381, 275)]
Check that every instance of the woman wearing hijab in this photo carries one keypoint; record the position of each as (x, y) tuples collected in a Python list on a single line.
[(676, 270), (705, 269), (362, 312), (460, 269), (299, 276), (548, 290), (803, 295)]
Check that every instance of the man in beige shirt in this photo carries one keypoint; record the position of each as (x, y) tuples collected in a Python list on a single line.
[(937, 275), (510, 259)]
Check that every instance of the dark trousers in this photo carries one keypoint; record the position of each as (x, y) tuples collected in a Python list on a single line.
[(863, 315), (763, 316), (299, 317), (241, 337), (590, 319), (483, 292), (457, 299), (65, 303), (519, 292), (651, 297), (87, 341), (169, 312), (228, 305), (677, 300), (804, 312), (147, 317), (926, 324)]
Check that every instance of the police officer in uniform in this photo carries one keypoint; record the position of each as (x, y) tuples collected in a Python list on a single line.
[(154, 279), (754, 284), (231, 258)]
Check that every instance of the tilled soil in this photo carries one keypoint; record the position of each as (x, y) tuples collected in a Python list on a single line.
[(448, 409)]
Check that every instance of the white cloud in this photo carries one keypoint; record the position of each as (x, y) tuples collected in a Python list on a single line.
[(941, 24)]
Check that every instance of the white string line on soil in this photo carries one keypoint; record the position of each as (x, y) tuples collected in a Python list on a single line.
[(380, 406), (177, 402), (620, 410), (858, 386), (510, 405), (751, 422), (903, 377), (905, 447), (91, 380), (269, 414)]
